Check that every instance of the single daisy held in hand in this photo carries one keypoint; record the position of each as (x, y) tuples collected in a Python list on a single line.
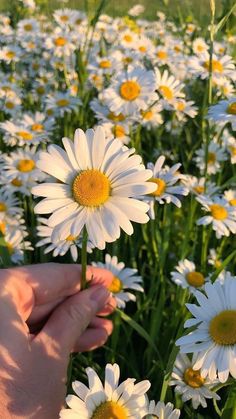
[(98, 180), (214, 339), (108, 401)]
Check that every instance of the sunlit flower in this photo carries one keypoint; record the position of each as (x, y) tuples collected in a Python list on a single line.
[(60, 103), (168, 87), (222, 215), (216, 155), (107, 401), (187, 276), (124, 279), (224, 112), (165, 178), (214, 338), (190, 384), (162, 411), (99, 179)]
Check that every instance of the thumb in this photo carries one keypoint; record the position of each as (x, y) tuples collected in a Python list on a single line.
[(70, 319)]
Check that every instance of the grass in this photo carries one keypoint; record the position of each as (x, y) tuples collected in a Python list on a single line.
[(182, 9)]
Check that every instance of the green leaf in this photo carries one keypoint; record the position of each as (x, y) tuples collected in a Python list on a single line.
[(224, 19), (139, 329), (229, 411)]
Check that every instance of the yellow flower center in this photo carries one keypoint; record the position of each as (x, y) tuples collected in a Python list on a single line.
[(217, 67), (233, 150), (232, 108), (60, 41), (2, 227), (211, 158), (26, 165), (147, 115), (31, 45), (35, 66), (162, 55), (218, 264), (110, 410), (218, 212), (78, 21), (130, 90), (91, 188), (233, 202), (28, 27), (195, 279), (161, 186), (199, 189), (177, 48), (40, 90), (128, 38), (180, 106), (166, 92), (116, 118), (116, 285), (223, 328), (49, 112), (16, 182), (127, 60), (9, 105), (3, 207), (70, 238), (200, 48), (64, 18), (37, 127), (10, 54), (193, 378), (62, 102), (25, 135), (105, 64), (142, 48), (118, 131)]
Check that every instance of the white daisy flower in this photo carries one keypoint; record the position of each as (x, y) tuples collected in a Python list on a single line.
[(151, 117), (11, 104), (168, 87), (99, 179), (9, 205), (59, 247), (17, 133), (136, 10), (21, 165), (165, 179), (214, 338), (60, 43), (213, 259), (222, 215), (107, 401), (216, 155), (184, 108), (131, 91), (224, 112), (60, 103), (27, 28), (187, 277), (190, 384), (230, 144), (10, 53), (222, 66), (199, 46), (199, 186), (230, 196), (162, 411), (124, 279), (16, 243)]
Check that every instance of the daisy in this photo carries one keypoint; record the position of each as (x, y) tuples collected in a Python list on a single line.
[(60, 247), (168, 87), (9, 206), (16, 244), (187, 277), (27, 28), (131, 91), (164, 179), (151, 117), (136, 10), (98, 180), (124, 279), (199, 46), (190, 384), (224, 112), (216, 155), (230, 196), (10, 53), (214, 338), (213, 259), (64, 17), (11, 104), (184, 108), (230, 145), (17, 133), (199, 186), (222, 215), (60, 103), (116, 130), (38, 122), (222, 66), (162, 411), (60, 43), (21, 165), (108, 401)]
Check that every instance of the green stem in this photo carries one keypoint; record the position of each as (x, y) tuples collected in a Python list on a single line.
[(84, 258)]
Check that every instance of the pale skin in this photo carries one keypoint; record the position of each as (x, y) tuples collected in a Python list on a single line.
[(44, 317)]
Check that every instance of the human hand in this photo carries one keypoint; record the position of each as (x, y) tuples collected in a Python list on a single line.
[(44, 318)]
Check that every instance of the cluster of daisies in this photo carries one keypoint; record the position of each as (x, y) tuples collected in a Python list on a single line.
[(140, 85)]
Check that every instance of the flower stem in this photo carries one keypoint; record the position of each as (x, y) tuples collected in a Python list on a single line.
[(84, 258)]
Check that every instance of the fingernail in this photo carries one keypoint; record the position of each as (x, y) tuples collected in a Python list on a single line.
[(100, 295)]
